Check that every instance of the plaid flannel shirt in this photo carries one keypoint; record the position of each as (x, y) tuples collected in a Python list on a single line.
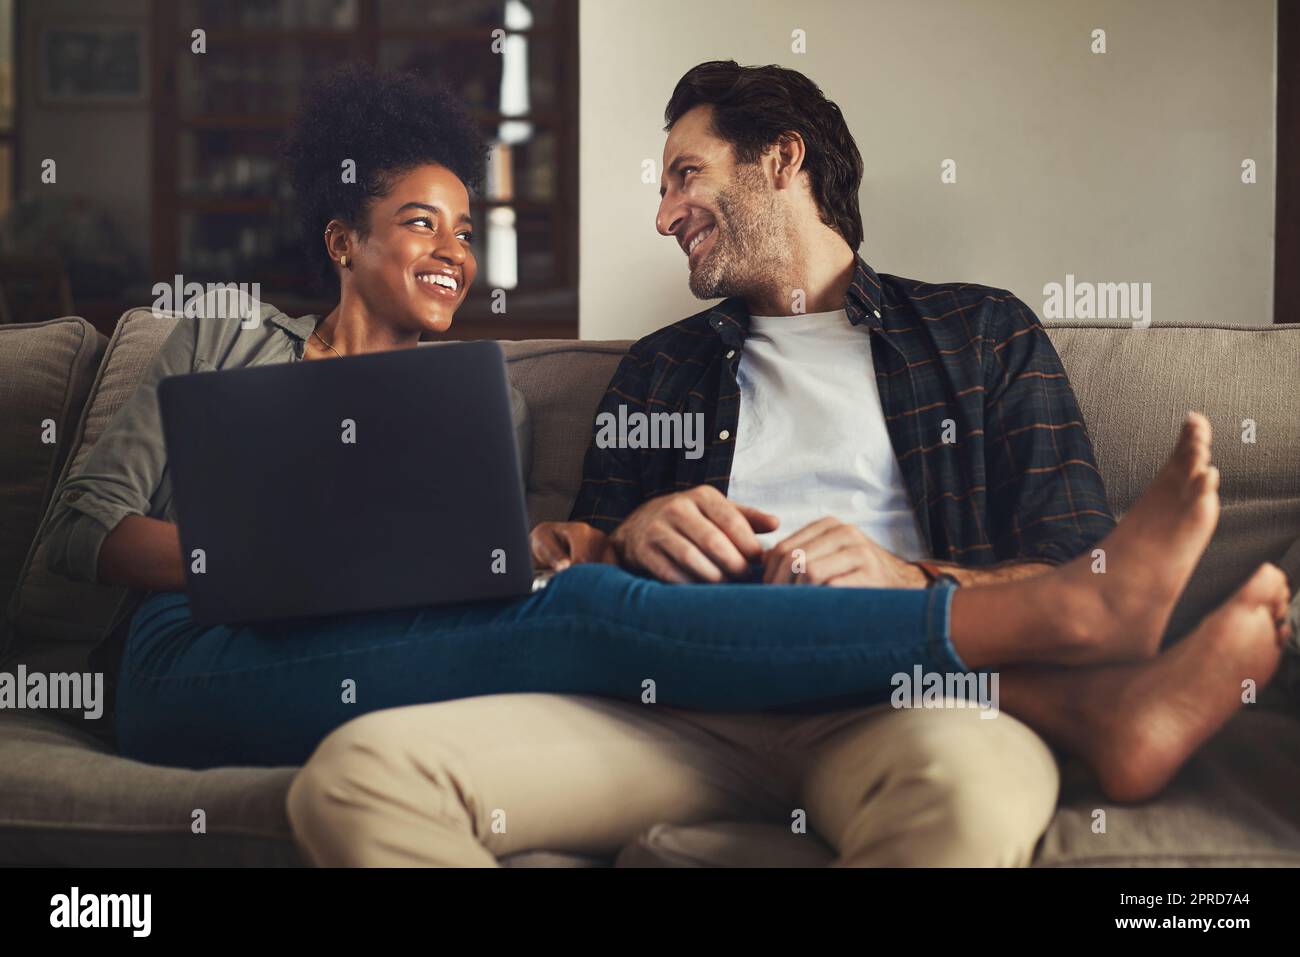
[(989, 437)]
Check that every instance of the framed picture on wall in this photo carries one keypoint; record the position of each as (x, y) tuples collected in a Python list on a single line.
[(92, 63)]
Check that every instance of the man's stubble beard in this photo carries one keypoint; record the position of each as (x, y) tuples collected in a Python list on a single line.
[(747, 244)]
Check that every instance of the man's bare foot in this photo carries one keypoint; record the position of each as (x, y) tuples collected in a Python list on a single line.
[(1122, 614), (1141, 722)]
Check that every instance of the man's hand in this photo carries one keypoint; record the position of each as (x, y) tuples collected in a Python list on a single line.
[(694, 536), (557, 545), (830, 552)]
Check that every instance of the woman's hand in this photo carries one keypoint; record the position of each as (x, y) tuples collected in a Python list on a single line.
[(557, 545)]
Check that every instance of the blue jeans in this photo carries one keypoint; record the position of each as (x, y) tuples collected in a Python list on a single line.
[(267, 694)]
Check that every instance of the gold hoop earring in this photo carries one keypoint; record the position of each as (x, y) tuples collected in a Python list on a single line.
[(343, 260)]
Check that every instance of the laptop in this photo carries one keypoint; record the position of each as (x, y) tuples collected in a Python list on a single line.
[(380, 481)]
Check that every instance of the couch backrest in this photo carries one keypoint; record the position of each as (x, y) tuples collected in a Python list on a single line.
[(1134, 386), (51, 623), (46, 371), (563, 381)]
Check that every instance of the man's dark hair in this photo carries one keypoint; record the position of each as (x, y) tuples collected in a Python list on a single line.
[(388, 124), (754, 105)]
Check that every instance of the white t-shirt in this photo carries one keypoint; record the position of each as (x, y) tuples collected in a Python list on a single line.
[(811, 439)]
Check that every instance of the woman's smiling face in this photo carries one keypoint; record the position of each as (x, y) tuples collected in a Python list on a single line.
[(416, 264)]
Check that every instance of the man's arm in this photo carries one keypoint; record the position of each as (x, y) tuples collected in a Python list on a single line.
[(832, 552), (696, 535), (996, 574), (611, 486), (1047, 502), (1046, 499)]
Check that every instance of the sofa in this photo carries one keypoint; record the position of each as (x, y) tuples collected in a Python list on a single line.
[(66, 798)]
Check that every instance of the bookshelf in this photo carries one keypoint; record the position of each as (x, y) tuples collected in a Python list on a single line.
[(222, 209)]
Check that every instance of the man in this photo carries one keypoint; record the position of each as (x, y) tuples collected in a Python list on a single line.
[(863, 430)]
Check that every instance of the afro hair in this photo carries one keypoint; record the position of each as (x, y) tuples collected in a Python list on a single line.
[(387, 124)]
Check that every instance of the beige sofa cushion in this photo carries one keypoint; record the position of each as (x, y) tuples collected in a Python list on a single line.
[(57, 621), (66, 800), (1135, 385), (46, 370), (563, 381)]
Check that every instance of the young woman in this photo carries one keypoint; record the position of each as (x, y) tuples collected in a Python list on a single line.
[(396, 245)]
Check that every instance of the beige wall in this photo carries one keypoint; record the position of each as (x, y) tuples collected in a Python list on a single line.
[(1115, 167)]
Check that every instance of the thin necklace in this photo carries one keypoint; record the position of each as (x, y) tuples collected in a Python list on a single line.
[(327, 345)]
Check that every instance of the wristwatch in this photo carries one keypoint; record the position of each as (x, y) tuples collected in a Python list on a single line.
[(934, 574)]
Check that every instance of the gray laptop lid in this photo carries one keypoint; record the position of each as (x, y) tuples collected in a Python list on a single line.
[(379, 481)]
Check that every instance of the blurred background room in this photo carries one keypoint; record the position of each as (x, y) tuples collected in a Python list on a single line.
[(1125, 165), (166, 161)]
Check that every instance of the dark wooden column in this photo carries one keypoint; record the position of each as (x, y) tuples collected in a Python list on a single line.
[(1286, 258)]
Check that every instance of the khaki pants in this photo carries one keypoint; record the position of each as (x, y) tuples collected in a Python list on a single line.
[(462, 783)]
